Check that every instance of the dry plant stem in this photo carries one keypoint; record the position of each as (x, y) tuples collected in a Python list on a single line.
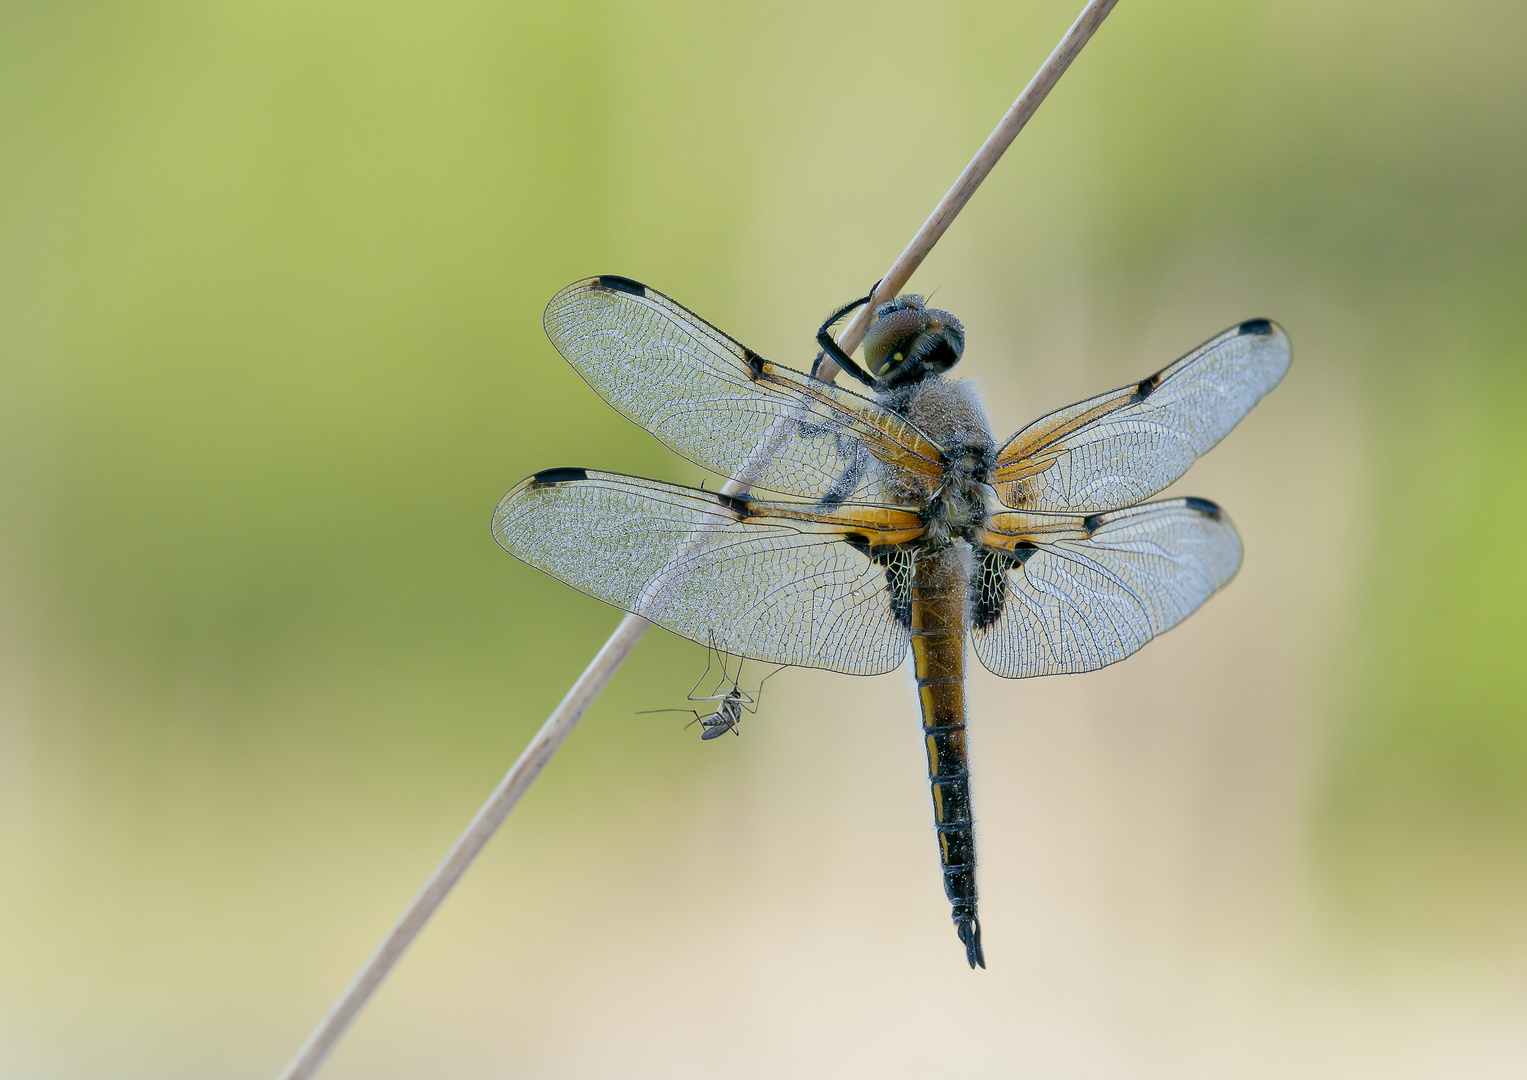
[(629, 632)]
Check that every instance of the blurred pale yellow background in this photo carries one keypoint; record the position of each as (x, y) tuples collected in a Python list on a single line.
[(271, 277)]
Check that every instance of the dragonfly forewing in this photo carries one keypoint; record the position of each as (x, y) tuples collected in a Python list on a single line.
[(723, 406)]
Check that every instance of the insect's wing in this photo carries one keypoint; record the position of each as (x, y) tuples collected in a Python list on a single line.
[(1068, 594), (722, 405), (1126, 445), (772, 581)]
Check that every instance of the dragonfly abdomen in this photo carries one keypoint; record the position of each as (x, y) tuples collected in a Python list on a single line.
[(940, 587)]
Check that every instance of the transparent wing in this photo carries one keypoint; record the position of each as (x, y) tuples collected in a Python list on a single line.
[(722, 405), (1118, 448), (772, 581), (1063, 595)]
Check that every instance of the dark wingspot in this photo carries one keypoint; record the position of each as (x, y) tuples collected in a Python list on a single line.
[(755, 362), (1092, 521), (1147, 387), (1204, 507), (548, 477), (858, 541), (1022, 552), (1259, 327), (616, 283)]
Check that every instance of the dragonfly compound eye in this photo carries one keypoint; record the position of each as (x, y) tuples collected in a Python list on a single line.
[(908, 341)]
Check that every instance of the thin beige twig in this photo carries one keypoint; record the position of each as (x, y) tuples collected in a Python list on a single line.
[(608, 660)]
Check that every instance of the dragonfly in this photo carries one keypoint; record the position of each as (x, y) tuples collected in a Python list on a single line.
[(904, 527)]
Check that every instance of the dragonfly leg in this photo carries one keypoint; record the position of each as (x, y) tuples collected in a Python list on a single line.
[(830, 347)]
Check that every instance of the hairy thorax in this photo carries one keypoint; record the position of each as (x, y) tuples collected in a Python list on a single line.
[(950, 412)]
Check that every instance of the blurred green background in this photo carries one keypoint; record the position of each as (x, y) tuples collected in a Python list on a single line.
[(271, 278)]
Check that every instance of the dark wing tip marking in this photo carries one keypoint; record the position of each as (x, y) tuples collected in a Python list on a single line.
[(616, 283), (550, 477), (1259, 327), (1203, 506)]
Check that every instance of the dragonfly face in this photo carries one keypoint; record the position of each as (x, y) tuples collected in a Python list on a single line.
[(907, 342), (910, 529)]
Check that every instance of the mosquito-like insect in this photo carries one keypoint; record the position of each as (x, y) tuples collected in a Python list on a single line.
[(734, 701)]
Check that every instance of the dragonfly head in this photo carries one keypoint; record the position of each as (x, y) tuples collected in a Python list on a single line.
[(907, 342)]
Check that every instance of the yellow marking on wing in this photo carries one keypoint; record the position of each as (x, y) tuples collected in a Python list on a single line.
[(1006, 531), (879, 525), (1125, 445), (1027, 456)]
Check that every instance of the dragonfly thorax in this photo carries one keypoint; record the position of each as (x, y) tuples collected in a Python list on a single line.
[(950, 412)]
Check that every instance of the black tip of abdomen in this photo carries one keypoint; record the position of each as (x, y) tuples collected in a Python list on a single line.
[(969, 930)]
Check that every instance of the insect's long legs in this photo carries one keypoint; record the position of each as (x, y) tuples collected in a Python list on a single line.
[(750, 702), (704, 674)]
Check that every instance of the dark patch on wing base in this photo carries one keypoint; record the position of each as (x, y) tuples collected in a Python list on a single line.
[(548, 477), (616, 283), (898, 577), (987, 587), (988, 581), (1147, 387), (755, 362), (1092, 521)]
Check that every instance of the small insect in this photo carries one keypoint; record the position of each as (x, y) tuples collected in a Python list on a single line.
[(912, 529), (734, 701)]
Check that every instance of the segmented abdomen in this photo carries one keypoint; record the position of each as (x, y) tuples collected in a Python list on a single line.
[(940, 593)]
